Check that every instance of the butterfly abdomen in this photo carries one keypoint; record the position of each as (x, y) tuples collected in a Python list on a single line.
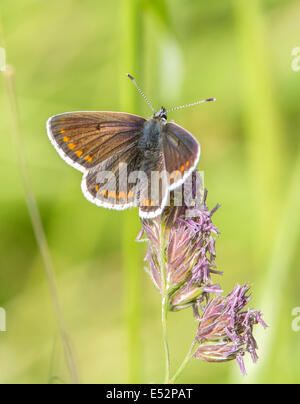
[(150, 144)]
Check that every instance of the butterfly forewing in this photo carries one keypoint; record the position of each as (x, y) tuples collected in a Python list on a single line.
[(181, 152), (85, 139)]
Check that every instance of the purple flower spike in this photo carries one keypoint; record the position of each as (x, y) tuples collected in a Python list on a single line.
[(181, 262), (225, 331), (189, 249)]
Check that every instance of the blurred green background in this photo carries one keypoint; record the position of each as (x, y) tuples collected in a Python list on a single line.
[(73, 55)]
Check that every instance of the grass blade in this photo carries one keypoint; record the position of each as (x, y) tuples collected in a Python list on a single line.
[(36, 221), (132, 63)]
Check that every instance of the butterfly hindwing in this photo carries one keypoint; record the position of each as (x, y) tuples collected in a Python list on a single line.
[(85, 139), (125, 180), (110, 184), (154, 191)]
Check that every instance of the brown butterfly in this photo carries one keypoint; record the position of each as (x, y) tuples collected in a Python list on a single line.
[(127, 161)]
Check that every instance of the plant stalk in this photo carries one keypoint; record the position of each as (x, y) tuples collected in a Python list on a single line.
[(165, 302), (184, 363)]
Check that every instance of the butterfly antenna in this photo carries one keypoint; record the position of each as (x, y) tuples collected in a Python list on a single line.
[(191, 105), (140, 91)]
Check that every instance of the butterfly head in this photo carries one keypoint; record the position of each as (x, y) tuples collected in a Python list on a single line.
[(161, 114)]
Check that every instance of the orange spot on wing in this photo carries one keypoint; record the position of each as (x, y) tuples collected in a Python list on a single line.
[(182, 168), (88, 158), (103, 192), (71, 146), (112, 194), (121, 195), (130, 194), (79, 153), (187, 163), (97, 188), (66, 139), (62, 131)]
